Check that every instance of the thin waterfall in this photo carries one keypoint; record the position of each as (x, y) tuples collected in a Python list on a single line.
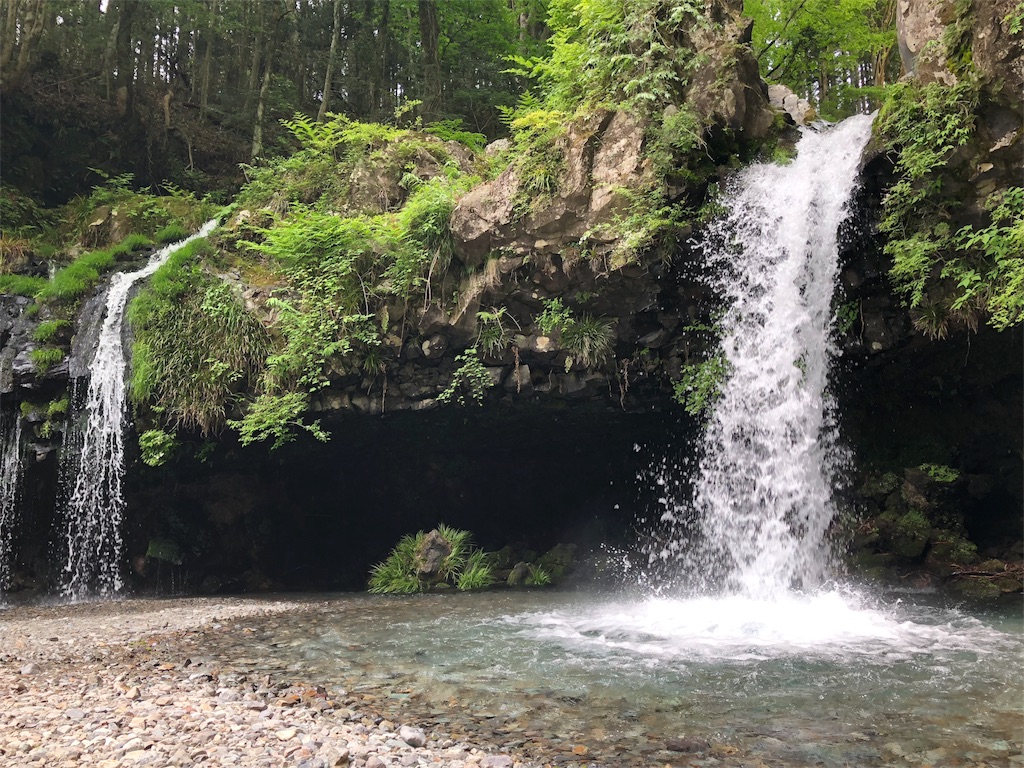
[(763, 491), (93, 456), (10, 489)]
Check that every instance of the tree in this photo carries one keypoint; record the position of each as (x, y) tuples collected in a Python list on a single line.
[(836, 53)]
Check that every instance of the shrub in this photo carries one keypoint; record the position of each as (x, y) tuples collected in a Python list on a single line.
[(172, 233), (22, 285), (537, 576), (48, 329), (464, 568), (45, 358), (156, 446), (196, 346), (469, 382)]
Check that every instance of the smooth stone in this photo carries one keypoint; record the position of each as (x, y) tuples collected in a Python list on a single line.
[(414, 737)]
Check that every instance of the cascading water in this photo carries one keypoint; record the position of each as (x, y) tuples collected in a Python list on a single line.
[(763, 488), (10, 486), (94, 452)]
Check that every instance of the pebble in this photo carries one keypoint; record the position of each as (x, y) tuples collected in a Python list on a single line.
[(128, 689)]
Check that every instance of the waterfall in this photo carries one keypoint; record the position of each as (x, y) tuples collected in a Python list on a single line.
[(763, 492), (10, 487), (93, 455)]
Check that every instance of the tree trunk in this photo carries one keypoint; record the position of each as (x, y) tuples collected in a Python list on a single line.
[(32, 22), (257, 54), (124, 57), (429, 33), (331, 57), (211, 33)]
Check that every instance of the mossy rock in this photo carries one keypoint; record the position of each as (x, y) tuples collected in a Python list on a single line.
[(949, 547), (976, 589), (880, 485), (907, 535), (165, 550), (558, 561)]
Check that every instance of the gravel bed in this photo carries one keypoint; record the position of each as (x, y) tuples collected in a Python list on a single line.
[(126, 684)]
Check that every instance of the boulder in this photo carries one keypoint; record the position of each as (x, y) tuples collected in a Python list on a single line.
[(430, 556)]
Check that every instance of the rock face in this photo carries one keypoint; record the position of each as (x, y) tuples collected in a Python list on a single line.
[(602, 153), (996, 52), (782, 98)]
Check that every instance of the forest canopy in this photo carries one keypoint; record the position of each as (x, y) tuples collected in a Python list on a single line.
[(185, 90)]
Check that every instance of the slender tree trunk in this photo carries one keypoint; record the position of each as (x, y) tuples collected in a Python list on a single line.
[(211, 33), (10, 35), (429, 33), (124, 57), (33, 15), (261, 106), (381, 82), (331, 57), (257, 55)]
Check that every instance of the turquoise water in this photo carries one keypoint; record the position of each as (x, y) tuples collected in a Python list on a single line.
[(833, 679)]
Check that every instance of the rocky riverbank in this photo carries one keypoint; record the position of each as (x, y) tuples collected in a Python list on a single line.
[(128, 684)]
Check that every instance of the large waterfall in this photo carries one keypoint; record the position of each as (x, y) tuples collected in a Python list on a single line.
[(94, 451), (764, 487), (10, 485), (757, 520)]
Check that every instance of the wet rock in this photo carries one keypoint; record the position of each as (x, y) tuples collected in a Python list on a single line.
[(430, 556), (414, 737)]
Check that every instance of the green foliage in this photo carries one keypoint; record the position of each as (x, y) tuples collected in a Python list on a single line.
[(465, 568), (476, 574), (587, 340), (847, 316), (614, 52), (492, 336), (453, 130), (537, 577), (22, 285), (172, 233), (947, 275), (397, 574), (21, 216), (48, 329), (196, 347), (470, 381), (148, 214), (156, 446), (276, 418), (342, 270), (822, 49), (995, 277), (554, 317), (1014, 20), (45, 358), (700, 385), (78, 277), (57, 408), (940, 472)]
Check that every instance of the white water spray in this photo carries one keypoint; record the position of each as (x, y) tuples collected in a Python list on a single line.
[(764, 485), (10, 486), (95, 506)]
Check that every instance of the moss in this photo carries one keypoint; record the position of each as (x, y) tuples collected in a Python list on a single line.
[(950, 548), (977, 589), (880, 484), (45, 358), (940, 472), (907, 535)]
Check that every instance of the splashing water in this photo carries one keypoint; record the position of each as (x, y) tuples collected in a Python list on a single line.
[(764, 482), (95, 475), (10, 487)]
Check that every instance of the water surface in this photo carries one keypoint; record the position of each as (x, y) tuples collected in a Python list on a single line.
[(833, 679)]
